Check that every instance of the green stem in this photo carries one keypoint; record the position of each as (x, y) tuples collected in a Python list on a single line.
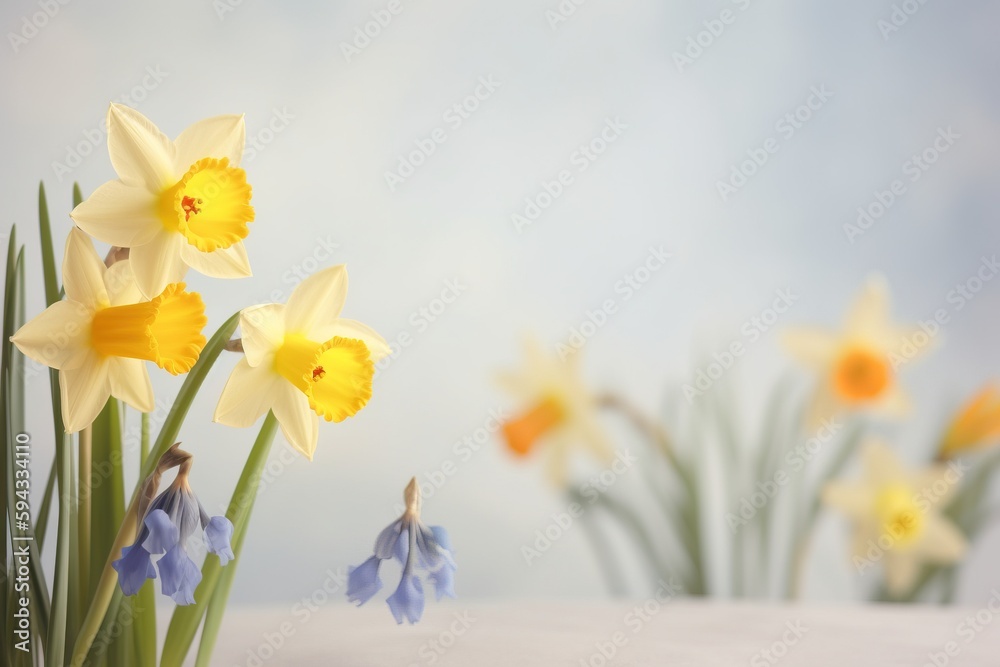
[(217, 604), (616, 584), (83, 510)]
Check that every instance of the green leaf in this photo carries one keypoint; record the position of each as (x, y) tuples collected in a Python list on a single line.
[(107, 487), (184, 623), (168, 434), (49, 276)]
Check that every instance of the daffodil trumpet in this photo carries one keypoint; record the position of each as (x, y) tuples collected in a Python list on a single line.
[(302, 361), (856, 366), (975, 426), (558, 411), (101, 335), (897, 515), (176, 204)]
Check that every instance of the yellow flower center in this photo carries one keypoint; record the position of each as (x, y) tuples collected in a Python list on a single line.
[(210, 205), (860, 375), (901, 518), (523, 432), (166, 330), (336, 376)]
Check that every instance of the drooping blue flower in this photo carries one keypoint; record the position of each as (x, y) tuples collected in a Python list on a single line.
[(171, 518), (421, 551)]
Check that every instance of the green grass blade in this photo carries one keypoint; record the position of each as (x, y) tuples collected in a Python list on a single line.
[(185, 620), (42, 523), (49, 276), (168, 434)]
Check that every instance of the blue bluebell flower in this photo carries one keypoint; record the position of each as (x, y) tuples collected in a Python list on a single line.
[(167, 523), (421, 550)]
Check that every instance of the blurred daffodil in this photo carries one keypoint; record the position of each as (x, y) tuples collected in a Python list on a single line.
[(856, 365), (559, 411), (976, 425), (101, 334), (897, 516), (302, 360), (176, 204)]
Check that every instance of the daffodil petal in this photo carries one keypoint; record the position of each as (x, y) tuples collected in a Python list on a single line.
[(158, 263), (57, 337), (893, 403), (852, 499), (942, 542), (85, 389), (120, 214), (377, 347), (218, 137), (83, 271), (811, 346), (299, 423), (140, 153), (317, 301), (247, 395), (263, 331), (882, 466), (231, 262), (869, 315), (129, 381), (901, 570), (121, 285)]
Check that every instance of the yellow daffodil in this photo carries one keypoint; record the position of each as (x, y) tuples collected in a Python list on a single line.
[(856, 366), (100, 336), (302, 360), (897, 516), (975, 426), (176, 204), (560, 410)]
